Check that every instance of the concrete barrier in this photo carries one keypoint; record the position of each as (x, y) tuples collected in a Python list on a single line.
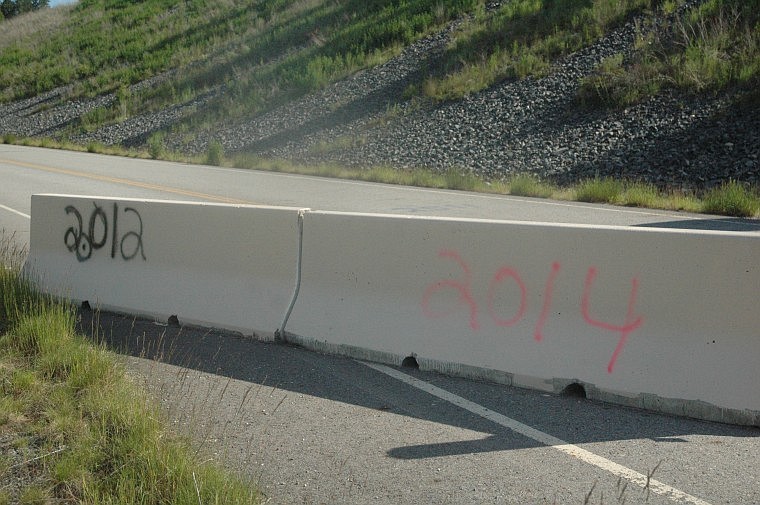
[(662, 319), (227, 266)]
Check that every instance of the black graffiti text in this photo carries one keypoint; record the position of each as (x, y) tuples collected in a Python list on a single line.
[(92, 234)]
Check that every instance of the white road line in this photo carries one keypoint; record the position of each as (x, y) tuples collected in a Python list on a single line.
[(15, 211), (641, 480)]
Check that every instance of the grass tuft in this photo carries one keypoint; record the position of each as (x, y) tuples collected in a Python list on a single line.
[(456, 179), (732, 199), (215, 154), (599, 190), (529, 185), (640, 194), (156, 146)]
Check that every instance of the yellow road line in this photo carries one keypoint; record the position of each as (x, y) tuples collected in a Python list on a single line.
[(127, 182)]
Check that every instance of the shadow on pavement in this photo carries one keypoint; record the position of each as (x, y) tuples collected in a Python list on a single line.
[(339, 379), (716, 224)]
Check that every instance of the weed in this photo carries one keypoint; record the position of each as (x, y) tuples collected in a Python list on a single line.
[(95, 147), (528, 185), (215, 154), (457, 179), (123, 96), (94, 119), (681, 201), (35, 495), (599, 190), (732, 199), (640, 194), (156, 145)]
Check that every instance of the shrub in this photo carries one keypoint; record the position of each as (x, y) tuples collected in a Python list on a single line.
[(96, 147)]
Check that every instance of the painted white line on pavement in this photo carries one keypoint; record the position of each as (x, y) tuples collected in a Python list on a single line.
[(15, 211), (641, 480)]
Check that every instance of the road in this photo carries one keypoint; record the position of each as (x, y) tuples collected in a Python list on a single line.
[(312, 428), (25, 170)]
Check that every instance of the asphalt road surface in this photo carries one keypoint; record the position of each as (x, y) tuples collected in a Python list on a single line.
[(25, 171), (311, 428)]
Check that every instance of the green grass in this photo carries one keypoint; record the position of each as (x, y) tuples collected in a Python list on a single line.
[(733, 199), (729, 199), (705, 49), (88, 435), (264, 53), (522, 38), (599, 190), (640, 195), (267, 53), (527, 185), (215, 153)]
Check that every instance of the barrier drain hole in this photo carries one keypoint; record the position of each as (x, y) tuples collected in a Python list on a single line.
[(410, 362), (173, 321), (574, 390), (86, 305)]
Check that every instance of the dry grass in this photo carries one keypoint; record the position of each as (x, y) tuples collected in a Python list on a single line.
[(82, 432), (32, 27)]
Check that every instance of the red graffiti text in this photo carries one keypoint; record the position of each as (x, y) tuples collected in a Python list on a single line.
[(505, 275)]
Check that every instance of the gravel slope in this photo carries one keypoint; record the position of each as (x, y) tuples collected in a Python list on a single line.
[(532, 125)]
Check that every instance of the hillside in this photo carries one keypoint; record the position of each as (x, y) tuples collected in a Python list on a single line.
[(662, 91)]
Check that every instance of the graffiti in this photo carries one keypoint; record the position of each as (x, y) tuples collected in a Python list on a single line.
[(629, 325), (465, 296), (498, 278), (505, 274), (85, 237)]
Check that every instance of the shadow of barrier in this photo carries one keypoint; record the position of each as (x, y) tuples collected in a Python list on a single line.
[(662, 319)]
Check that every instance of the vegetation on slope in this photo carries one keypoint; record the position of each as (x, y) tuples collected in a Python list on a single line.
[(261, 51), (521, 38), (705, 49), (271, 51)]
